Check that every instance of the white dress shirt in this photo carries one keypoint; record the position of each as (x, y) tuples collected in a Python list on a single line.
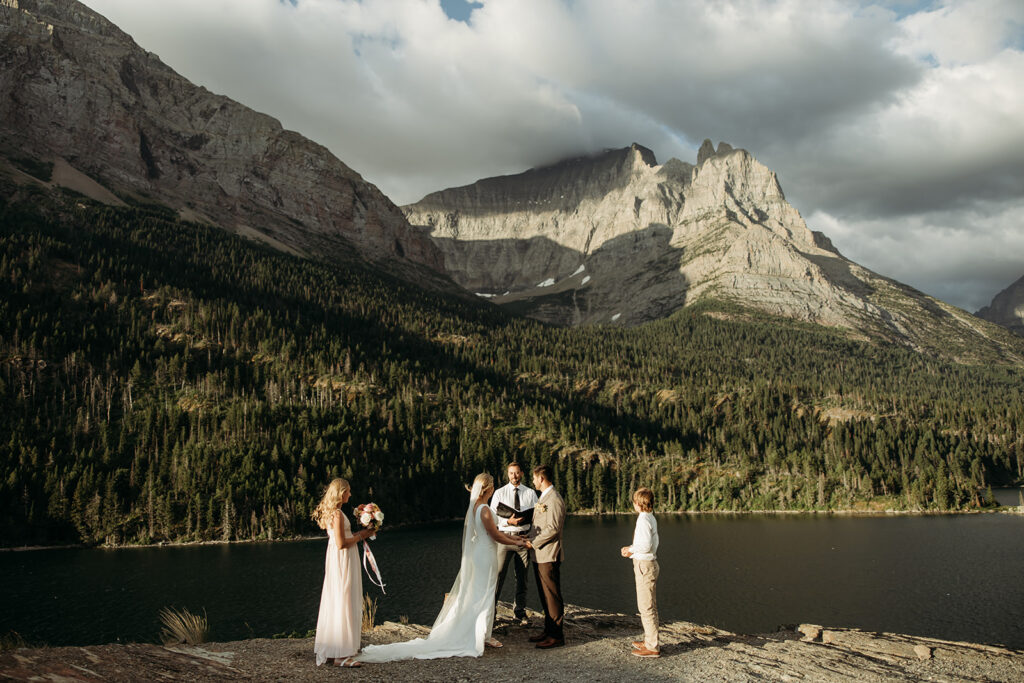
[(507, 494), (645, 538)]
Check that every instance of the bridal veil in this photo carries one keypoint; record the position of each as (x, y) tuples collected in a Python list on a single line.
[(464, 622)]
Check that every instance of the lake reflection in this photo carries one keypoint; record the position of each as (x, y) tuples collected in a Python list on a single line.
[(945, 576), (1010, 497)]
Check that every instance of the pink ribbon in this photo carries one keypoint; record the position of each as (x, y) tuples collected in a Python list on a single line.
[(368, 557)]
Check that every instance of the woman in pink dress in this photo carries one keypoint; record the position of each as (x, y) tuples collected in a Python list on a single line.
[(340, 624)]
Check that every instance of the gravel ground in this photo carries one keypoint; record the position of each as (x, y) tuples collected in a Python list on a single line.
[(597, 649)]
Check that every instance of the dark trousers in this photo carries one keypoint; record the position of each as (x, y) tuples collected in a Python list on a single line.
[(549, 582), (520, 558)]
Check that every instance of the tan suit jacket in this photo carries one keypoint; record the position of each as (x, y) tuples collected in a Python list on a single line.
[(548, 520)]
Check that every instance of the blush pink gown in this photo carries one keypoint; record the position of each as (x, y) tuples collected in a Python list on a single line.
[(340, 624)]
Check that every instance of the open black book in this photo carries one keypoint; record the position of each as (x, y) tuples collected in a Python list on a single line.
[(507, 511)]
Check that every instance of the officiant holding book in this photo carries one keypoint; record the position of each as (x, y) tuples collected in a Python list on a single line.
[(513, 505)]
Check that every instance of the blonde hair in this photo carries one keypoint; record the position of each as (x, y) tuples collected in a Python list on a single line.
[(485, 480), (644, 499), (330, 502)]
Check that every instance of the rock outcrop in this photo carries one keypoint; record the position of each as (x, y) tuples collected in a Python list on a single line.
[(617, 238), (77, 90), (597, 649), (1007, 308)]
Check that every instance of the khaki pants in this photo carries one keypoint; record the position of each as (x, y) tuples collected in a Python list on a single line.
[(646, 572)]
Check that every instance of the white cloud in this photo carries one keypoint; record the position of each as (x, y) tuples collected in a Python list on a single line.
[(964, 32), (416, 101), (894, 119)]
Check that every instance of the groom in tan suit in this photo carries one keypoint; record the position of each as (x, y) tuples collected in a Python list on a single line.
[(547, 554)]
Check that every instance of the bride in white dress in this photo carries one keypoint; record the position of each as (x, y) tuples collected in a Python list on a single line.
[(464, 624)]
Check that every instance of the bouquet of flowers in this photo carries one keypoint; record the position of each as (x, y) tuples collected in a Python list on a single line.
[(370, 516)]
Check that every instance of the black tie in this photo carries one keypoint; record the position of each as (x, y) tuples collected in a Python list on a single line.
[(515, 501)]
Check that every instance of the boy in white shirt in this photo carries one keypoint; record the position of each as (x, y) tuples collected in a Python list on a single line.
[(644, 552)]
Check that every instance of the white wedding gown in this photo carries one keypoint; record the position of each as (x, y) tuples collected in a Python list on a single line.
[(465, 620)]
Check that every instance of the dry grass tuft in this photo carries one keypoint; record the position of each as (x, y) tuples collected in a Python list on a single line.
[(183, 627), (12, 640), (369, 613)]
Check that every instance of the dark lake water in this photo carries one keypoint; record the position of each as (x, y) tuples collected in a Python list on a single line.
[(956, 577), (1009, 496)]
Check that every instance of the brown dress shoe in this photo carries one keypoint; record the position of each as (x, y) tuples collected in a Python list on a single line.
[(644, 652), (549, 643), (537, 637)]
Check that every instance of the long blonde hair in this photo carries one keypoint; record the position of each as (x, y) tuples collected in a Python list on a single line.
[(330, 502), (485, 480)]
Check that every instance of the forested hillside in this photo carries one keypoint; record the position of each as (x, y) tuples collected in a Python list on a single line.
[(165, 381)]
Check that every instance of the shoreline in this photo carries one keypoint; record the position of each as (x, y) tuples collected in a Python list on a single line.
[(1001, 509)]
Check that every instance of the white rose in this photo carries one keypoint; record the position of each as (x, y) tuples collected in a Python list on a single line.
[(379, 516), (366, 518)]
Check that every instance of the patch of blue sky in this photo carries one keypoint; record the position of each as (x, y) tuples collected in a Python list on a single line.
[(1016, 38), (904, 8), (460, 10)]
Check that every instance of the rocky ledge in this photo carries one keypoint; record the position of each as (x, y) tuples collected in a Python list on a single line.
[(597, 649)]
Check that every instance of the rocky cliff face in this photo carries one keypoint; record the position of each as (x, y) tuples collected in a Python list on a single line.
[(76, 89), (1007, 308), (617, 238)]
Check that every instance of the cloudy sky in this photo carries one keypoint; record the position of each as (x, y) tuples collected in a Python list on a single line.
[(896, 127)]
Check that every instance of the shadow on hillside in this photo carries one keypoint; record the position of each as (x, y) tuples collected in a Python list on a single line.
[(629, 279), (839, 272)]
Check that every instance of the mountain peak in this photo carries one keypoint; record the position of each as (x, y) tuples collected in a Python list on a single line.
[(645, 155), (563, 184), (616, 210), (613, 238), (1007, 308), (707, 150), (83, 91)]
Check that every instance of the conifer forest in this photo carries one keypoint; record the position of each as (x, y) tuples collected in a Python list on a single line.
[(166, 381)]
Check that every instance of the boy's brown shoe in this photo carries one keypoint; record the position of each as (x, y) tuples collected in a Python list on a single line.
[(549, 643), (644, 652)]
